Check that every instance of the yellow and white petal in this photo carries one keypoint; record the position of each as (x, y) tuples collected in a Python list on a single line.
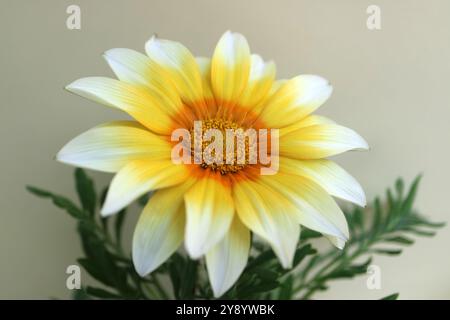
[(180, 65), (136, 68), (159, 230), (276, 85), (230, 68), (309, 121), (137, 101), (209, 212), (294, 100), (262, 75), (314, 208), (227, 259), (329, 175), (269, 215), (139, 177), (110, 146), (204, 65), (320, 141)]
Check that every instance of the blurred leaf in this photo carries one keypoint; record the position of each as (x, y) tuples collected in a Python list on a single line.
[(400, 239), (391, 297), (80, 294), (86, 191), (286, 289), (301, 253), (389, 252), (59, 201), (101, 293), (189, 277), (120, 218), (309, 234)]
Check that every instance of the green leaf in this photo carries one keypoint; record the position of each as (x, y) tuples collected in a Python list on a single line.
[(303, 252), (407, 204), (101, 293), (259, 288), (400, 240), (265, 274), (80, 294), (100, 263), (59, 201), (309, 234), (86, 191), (399, 187), (389, 252), (120, 218), (391, 297), (176, 263), (188, 279), (286, 289), (264, 257)]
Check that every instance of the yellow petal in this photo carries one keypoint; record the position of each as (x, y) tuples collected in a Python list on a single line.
[(294, 100), (230, 68), (311, 204), (181, 66), (139, 102), (328, 175), (311, 120), (110, 146), (209, 212), (136, 68), (270, 216), (320, 141), (262, 75), (204, 65), (139, 177), (160, 229), (227, 259), (277, 84)]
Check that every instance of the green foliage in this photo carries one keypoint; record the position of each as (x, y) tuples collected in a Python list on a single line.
[(383, 228)]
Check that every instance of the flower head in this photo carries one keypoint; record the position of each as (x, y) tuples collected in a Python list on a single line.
[(214, 205)]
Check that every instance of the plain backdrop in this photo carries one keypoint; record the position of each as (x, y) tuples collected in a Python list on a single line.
[(390, 85)]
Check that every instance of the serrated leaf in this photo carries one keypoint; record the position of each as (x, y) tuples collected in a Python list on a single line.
[(59, 201)]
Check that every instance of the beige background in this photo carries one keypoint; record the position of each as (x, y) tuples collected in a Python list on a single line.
[(390, 85)]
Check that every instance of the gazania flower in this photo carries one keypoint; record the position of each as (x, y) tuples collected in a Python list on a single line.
[(214, 208)]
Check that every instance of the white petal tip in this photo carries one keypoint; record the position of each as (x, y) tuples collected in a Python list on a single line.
[(107, 210), (74, 86), (193, 251), (142, 268), (218, 294)]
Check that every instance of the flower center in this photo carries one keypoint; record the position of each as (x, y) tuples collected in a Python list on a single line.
[(223, 143)]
